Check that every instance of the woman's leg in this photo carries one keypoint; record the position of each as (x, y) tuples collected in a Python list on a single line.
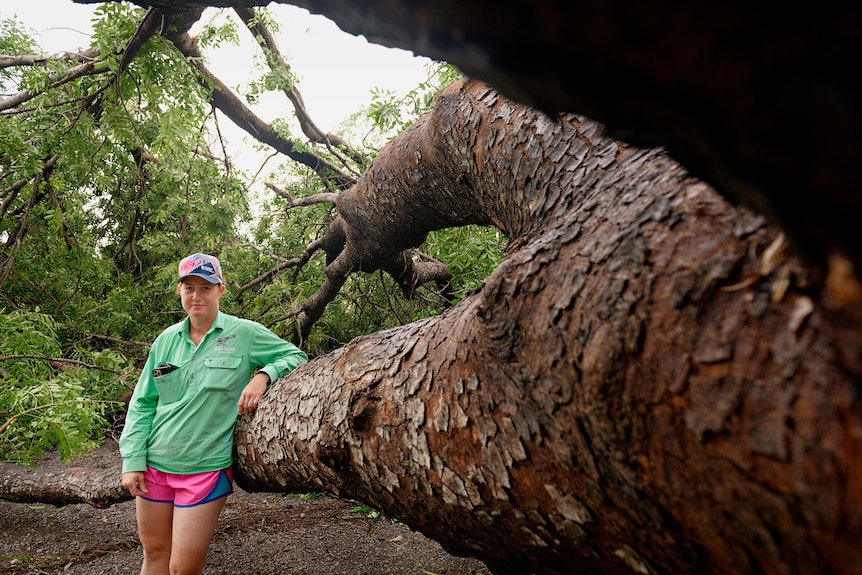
[(193, 529), (154, 529)]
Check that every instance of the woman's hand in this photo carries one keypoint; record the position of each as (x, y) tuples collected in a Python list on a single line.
[(250, 398), (134, 482)]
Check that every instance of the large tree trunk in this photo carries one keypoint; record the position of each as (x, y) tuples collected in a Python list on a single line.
[(647, 383)]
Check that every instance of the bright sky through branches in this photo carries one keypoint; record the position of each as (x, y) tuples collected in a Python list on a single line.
[(336, 70)]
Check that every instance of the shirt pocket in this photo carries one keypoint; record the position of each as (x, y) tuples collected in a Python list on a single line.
[(222, 371), (171, 386)]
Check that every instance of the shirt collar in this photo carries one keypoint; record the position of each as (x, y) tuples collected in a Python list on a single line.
[(218, 324)]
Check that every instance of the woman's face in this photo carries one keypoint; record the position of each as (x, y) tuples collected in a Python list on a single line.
[(199, 297)]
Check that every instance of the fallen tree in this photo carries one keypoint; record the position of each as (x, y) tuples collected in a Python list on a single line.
[(650, 382)]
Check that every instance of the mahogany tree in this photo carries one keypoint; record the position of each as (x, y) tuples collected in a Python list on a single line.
[(652, 381)]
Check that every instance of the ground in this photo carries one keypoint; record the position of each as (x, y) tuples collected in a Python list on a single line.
[(257, 533)]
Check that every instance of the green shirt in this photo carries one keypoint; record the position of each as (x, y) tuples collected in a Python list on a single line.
[(183, 422)]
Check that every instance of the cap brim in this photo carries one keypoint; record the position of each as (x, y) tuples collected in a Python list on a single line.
[(209, 278)]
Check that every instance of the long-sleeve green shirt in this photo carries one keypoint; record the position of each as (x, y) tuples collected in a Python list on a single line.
[(183, 422)]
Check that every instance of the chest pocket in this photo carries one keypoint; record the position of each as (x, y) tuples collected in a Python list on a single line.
[(171, 386), (222, 371)]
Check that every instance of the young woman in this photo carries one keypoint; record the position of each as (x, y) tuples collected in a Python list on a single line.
[(177, 443)]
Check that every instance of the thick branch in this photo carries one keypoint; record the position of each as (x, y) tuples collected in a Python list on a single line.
[(7, 61), (55, 80), (410, 274), (225, 100), (151, 24), (276, 62), (97, 487)]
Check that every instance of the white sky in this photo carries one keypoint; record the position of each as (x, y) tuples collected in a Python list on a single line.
[(336, 70)]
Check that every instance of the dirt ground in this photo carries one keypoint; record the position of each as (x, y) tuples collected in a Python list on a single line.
[(257, 533)]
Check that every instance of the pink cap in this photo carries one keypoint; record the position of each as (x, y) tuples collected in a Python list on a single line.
[(203, 266)]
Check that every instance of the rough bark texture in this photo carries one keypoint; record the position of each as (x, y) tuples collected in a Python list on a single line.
[(98, 487), (647, 383), (642, 386)]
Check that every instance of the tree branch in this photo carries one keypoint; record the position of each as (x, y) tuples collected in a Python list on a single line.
[(292, 202), (7, 61), (225, 100), (57, 361), (97, 487), (21, 60), (267, 41), (55, 81)]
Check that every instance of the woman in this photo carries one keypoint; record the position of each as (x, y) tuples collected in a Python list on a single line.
[(177, 443)]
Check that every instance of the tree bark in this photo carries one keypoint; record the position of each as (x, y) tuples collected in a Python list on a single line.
[(650, 381), (97, 487)]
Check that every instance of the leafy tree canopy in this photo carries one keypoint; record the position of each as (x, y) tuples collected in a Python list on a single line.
[(113, 167)]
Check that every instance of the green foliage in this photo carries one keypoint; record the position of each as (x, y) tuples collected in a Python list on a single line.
[(471, 253), (367, 511), (97, 237), (14, 40), (275, 78), (46, 402), (113, 25), (392, 114), (120, 181), (310, 496), (214, 36)]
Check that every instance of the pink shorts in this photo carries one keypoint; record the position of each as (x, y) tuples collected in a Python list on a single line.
[(187, 490)]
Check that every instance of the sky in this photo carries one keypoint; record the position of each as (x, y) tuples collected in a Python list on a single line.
[(336, 70)]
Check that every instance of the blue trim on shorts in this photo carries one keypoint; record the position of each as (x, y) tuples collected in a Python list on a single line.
[(156, 500), (222, 488)]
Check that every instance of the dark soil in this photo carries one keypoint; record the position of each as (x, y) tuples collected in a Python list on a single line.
[(257, 533)]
